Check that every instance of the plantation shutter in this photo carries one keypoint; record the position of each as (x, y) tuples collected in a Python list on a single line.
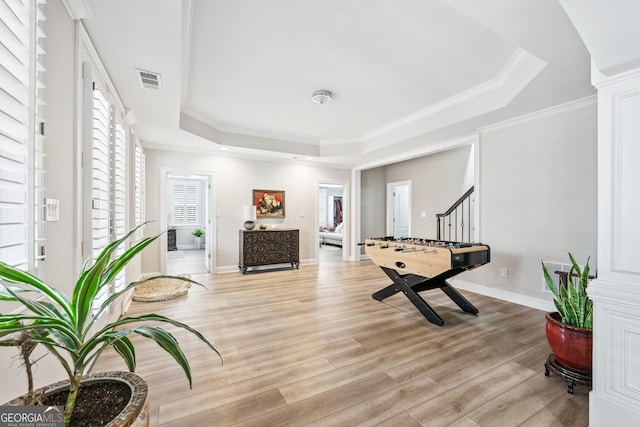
[(39, 135), (118, 193), (20, 154), (322, 206), (185, 202), (100, 232), (191, 203), (178, 203), (139, 184)]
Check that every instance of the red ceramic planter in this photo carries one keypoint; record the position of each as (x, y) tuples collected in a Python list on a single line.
[(571, 346)]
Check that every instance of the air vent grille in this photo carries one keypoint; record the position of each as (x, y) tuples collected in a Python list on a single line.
[(149, 80)]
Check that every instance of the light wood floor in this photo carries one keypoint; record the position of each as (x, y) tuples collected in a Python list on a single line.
[(188, 261), (311, 347)]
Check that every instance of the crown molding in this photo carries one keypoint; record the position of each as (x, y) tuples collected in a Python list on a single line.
[(220, 128), (78, 9), (546, 113), (521, 68), (511, 67), (449, 144)]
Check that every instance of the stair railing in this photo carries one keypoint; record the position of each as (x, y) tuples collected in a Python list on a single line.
[(453, 220)]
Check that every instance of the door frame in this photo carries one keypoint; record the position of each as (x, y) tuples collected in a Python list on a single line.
[(345, 216), (210, 208), (391, 186)]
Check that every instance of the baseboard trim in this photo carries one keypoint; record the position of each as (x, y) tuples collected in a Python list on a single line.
[(513, 297)]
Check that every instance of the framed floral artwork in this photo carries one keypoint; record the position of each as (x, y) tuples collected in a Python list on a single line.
[(269, 203)]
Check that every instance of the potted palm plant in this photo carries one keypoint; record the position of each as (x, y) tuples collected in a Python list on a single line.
[(66, 325), (197, 237), (569, 330)]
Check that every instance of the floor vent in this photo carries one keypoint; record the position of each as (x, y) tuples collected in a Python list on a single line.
[(149, 80)]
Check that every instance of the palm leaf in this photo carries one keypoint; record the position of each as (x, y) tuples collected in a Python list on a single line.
[(157, 318), (119, 263), (86, 290), (125, 349), (38, 307), (14, 275), (168, 343)]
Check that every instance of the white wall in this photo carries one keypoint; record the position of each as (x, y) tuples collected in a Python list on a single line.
[(373, 199), (60, 145), (234, 180), (59, 267), (437, 181), (538, 199), (537, 195)]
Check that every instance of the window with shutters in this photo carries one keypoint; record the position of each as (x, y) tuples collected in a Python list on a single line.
[(322, 207), (105, 161), (118, 190), (185, 202), (105, 168), (21, 133), (139, 214)]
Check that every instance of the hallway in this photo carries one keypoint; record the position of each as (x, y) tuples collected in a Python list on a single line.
[(190, 261)]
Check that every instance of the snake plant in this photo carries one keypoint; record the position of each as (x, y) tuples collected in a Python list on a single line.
[(571, 301), (66, 325)]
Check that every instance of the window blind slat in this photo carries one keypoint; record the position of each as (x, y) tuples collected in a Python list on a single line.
[(15, 142)]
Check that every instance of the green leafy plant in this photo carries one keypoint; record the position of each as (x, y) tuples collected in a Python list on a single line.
[(571, 301), (66, 326), (198, 232)]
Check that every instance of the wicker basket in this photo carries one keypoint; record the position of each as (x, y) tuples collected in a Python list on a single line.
[(160, 289)]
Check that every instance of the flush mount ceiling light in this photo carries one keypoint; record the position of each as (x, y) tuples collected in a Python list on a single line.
[(321, 96)]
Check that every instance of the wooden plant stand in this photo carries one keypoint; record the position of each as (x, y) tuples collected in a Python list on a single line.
[(569, 375)]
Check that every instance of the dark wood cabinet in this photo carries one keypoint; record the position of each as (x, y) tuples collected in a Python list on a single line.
[(267, 247), (171, 240)]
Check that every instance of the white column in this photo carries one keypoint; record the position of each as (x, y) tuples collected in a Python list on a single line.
[(615, 398)]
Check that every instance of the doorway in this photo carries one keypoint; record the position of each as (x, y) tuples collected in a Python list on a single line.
[(331, 221), (189, 233), (399, 209)]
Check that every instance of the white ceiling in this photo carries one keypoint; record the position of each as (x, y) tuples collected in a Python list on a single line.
[(239, 74)]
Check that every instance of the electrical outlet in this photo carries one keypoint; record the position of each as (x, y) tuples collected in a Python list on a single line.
[(504, 272)]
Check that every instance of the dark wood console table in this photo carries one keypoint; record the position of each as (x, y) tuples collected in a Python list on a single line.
[(171, 240), (267, 247)]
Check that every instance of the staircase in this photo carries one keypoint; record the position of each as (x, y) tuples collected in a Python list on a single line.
[(456, 224)]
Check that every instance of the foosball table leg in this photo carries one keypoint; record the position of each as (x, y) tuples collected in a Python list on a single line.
[(424, 308), (461, 301), (385, 292), (415, 299)]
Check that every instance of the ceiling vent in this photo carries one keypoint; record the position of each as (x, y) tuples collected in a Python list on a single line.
[(149, 80)]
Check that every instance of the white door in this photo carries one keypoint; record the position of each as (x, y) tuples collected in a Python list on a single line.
[(399, 209)]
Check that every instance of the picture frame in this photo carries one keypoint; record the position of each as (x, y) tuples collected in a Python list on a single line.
[(269, 203)]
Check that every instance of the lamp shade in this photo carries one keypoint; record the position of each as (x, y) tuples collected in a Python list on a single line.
[(249, 213)]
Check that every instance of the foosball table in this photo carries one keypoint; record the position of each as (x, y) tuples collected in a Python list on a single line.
[(416, 265)]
